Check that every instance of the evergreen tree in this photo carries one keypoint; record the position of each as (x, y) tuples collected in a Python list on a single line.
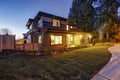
[(82, 15), (87, 15), (107, 15)]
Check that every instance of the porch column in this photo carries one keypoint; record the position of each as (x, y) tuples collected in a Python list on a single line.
[(41, 46)]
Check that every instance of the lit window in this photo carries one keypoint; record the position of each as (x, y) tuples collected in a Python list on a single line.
[(56, 23), (80, 36), (70, 39), (39, 39), (56, 39), (39, 21), (31, 26), (89, 36), (67, 27)]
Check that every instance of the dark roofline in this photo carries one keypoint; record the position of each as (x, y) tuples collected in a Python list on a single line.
[(29, 22), (40, 13)]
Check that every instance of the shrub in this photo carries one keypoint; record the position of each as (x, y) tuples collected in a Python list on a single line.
[(50, 52), (103, 40)]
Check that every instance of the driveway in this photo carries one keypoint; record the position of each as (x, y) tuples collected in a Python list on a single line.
[(112, 70)]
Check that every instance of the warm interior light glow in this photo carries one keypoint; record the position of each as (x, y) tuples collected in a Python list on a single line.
[(56, 39), (39, 21), (70, 39), (71, 27), (40, 39), (56, 23), (80, 36), (89, 36), (67, 27)]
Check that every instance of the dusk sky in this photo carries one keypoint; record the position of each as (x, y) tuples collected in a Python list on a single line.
[(15, 13)]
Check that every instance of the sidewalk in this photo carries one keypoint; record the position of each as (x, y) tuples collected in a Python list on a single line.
[(112, 70)]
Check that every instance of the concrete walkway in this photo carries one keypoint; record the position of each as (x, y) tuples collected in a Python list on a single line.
[(112, 70)]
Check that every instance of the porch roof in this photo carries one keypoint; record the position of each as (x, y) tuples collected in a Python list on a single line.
[(40, 30), (67, 32)]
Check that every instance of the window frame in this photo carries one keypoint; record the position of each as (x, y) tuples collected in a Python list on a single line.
[(56, 26), (39, 39), (70, 38), (55, 40)]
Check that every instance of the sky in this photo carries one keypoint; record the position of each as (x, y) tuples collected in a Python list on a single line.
[(14, 14)]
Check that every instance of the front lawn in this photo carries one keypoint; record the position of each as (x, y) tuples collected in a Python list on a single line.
[(80, 64)]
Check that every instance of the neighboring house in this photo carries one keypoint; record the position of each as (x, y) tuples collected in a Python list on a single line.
[(51, 32)]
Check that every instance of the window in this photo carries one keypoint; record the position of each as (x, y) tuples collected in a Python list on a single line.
[(39, 39), (70, 39), (56, 23), (29, 39), (67, 27), (31, 26), (56, 39), (39, 21)]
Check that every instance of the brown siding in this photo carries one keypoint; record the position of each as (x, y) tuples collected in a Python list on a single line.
[(63, 25)]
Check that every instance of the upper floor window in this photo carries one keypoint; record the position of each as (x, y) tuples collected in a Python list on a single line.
[(30, 27), (39, 21), (67, 27), (56, 23)]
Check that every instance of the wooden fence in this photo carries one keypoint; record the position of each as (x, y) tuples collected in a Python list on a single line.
[(7, 42), (27, 47)]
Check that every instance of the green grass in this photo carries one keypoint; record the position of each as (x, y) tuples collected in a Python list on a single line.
[(80, 64)]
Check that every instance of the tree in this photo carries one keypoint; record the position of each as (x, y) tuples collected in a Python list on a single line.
[(5, 31), (95, 34), (107, 15), (82, 15)]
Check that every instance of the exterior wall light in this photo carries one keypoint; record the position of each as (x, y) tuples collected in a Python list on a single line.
[(80, 36)]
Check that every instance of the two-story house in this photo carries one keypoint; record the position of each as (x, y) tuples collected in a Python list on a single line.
[(51, 32)]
